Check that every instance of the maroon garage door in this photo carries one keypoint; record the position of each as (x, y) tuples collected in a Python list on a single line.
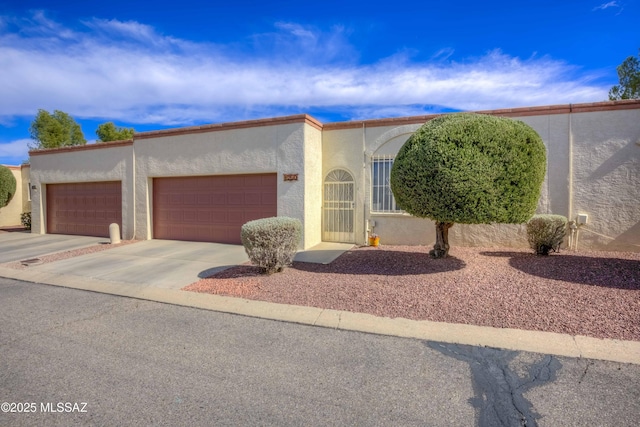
[(211, 208), (85, 208)]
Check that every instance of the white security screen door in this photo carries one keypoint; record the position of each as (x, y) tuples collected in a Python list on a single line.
[(338, 207)]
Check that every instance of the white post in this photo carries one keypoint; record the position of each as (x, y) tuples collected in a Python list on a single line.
[(114, 233)]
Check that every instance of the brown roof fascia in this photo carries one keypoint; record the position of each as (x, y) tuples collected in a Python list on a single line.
[(96, 146), (626, 104), (299, 118), (394, 121)]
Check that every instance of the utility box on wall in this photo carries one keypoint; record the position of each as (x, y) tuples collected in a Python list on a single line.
[(582, 219)]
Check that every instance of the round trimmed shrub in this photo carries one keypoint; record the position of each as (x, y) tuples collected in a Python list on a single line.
[(7, 186), (472, 169), (271, 243)]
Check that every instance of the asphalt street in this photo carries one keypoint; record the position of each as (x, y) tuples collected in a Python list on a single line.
[(70, 357)]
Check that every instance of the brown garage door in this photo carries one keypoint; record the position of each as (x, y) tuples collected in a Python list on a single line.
[(211, 208), (85, 208)]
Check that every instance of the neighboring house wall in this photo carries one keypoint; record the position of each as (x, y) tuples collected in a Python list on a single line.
[(10, 214)]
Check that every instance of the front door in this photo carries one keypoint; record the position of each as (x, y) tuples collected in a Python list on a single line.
[(338, 210)]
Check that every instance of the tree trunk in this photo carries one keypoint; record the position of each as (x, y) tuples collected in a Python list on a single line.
[(441, 248)]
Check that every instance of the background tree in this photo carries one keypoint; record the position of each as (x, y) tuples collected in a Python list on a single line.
[(629, 76), (55, 130), (7, 186), (109, 132), (471, 169)]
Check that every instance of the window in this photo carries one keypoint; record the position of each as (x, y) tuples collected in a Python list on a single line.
[(382, 199), (29, 193)]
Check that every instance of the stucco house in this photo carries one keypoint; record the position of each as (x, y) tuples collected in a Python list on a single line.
[(202, 183)]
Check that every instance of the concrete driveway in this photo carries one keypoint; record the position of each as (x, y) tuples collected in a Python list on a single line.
[(166, 264), (18, 246), (160, 263)]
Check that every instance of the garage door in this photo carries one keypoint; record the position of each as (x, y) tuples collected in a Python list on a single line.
[(211, 208), (85, 208)]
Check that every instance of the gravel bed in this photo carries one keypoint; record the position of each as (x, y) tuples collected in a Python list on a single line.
[(59, 256), (579, 293)]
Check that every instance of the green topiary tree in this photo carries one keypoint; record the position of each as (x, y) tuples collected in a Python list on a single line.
[(471, 169), (7, 186)]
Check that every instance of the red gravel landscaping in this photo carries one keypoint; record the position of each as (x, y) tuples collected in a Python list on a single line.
[(579, 293)]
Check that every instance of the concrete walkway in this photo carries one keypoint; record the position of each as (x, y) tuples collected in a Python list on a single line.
[(131, 266)]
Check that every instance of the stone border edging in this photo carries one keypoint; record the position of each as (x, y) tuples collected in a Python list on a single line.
[(511, 339)]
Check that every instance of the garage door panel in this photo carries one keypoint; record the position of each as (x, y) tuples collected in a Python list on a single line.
[(86, 208), (213, 207), (219, 216), (235, 199), (253, 198), (218, 199)]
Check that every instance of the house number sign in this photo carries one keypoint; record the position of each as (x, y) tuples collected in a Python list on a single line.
[(290, 176)]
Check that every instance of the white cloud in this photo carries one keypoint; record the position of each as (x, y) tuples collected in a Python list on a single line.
[(607, 5), (15, 152), (126, 71)]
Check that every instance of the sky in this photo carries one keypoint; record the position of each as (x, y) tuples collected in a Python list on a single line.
[(164, 64)]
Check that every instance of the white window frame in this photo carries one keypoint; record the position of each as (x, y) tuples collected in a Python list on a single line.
[(382, 200)]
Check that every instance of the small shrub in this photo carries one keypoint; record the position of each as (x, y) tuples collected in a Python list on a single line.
[(271, 243), (25, 219), (546, 232)]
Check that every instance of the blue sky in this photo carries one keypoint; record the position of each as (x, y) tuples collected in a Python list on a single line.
[(153, 65)]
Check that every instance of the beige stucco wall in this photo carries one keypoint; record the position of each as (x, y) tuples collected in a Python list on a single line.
[(312, 176), (606, 178), (10, 214), (109, 162), (289, 148), (593, 167)]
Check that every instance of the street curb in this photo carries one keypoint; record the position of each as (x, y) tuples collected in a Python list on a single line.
[(510, 339)]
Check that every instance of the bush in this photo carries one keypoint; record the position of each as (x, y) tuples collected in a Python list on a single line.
[(25, 219), (7, 186), (470, 169), (271, 243), (546, 232)]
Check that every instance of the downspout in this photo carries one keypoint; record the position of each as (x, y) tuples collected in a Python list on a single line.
[(364, 186), (573, 240), (133, 183), (570, 162)]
